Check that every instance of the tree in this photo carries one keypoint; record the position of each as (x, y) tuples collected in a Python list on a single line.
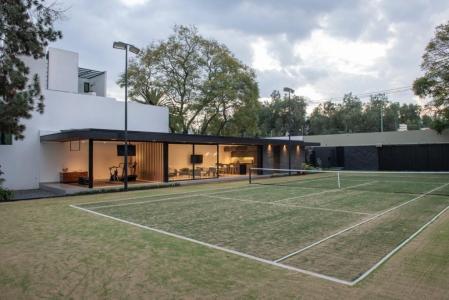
[(410, 114), (198, 79), (351, 112), (435, 82), (283, 115), (375, 108), (26, 28), (142, 80), (427, 121), (325, 119)]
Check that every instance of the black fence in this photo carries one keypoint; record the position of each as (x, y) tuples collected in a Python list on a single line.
[(419, 157)]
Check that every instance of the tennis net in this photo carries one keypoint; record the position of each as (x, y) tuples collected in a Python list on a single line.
[(433, 183)]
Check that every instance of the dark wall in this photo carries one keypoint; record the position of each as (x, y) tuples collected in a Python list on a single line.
[(420, 157), (326, 157), (349, 157), (426, 157), (361, 158)]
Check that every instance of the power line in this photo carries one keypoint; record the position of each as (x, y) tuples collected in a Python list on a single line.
[(366, 94)]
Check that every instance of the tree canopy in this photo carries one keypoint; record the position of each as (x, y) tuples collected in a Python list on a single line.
[(206, 89), (435, 82), (354, 116), (282, 115), (26, 27)]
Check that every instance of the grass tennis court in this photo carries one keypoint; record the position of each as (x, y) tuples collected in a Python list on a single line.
[(303, 223)]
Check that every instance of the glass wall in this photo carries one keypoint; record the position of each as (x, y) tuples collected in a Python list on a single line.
[(206, 163), (188, 161), (236, 159), (180, 165)]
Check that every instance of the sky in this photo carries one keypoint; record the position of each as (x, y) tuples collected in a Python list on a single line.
[(320, 48)]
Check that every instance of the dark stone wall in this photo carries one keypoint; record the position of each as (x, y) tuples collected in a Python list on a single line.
[(361, 158), (418, 157), (326, 157), (422, 157)]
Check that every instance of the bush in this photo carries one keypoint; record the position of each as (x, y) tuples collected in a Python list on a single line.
[(308, 167), (5, 195)]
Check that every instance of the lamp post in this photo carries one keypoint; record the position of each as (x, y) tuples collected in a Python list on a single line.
[(135, 50), (289, 91)]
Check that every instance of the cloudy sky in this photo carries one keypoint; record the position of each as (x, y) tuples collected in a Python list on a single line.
[(320, 48)]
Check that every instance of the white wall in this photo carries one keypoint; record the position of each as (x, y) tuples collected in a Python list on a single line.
[(62, 70), (98, 85), (28, 162)]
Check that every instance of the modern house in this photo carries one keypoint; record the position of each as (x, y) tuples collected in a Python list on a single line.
[(78, 140)]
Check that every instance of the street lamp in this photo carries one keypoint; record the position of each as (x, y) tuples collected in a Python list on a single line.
[(135, 50), (289, 91)]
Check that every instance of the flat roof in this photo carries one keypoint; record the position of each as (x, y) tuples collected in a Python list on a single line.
[(380, 138), (88, 73), (146, 136)]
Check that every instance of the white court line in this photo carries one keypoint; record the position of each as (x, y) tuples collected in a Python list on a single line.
[(276, 263), (183, 195), (141, 202), (162, 195), (326, 191), (259, 259), (159, 200), (287, 205), (292, 180), (358, 224), (392, 252)]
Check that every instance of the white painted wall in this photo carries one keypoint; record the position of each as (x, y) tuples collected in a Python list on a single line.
[(97, 85), (28, 162), (62, 70)]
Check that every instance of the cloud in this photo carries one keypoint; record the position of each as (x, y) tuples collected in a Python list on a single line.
[(321, 48), (341, 55), (131, 3), (262, 59)]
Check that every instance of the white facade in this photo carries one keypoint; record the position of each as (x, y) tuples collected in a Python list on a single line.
[(28, 162)]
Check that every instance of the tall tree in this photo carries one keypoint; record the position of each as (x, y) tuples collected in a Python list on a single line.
[(200, 80), (351, 112), (435, 82), (325, 119), (410, 114), (26, 28), (279, 116), (374, 110)]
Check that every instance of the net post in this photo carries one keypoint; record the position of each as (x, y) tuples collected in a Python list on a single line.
[(249, 177), (338, 179)]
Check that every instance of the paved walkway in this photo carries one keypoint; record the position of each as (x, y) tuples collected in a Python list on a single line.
[(32, 194)]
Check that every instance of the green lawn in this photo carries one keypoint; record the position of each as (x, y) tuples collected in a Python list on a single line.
[(51, 250)]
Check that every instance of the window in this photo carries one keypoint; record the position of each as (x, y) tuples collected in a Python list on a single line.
[(86, 87), (180, 165), (206, 166), (5, 138)]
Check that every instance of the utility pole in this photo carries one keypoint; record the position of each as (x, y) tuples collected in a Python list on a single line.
[(289, 91), (381, 117)]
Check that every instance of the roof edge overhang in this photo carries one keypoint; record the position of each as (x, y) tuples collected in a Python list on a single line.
[(147, 136)]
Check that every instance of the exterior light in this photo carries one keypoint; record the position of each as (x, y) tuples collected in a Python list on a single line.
[(289, 90), (119, 45), (135, 50)]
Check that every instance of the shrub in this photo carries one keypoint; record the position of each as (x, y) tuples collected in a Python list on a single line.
[(5, 195)]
